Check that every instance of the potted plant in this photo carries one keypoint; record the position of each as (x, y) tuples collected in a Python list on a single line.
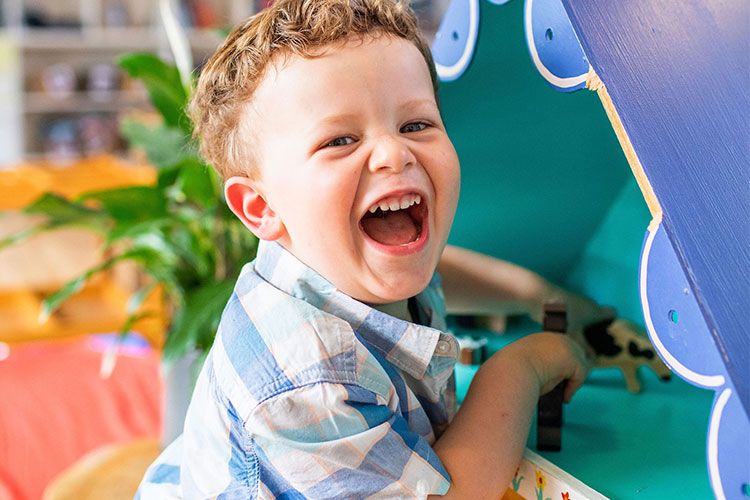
[(179, 232)]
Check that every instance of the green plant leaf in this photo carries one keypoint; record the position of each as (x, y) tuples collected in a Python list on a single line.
[(25, 234), (163, 145), (196, 324), (157, 247), (241, 245), (168, 176), (198, 183), (146, 257), (130, 321), (53, 301), (164, 87), (135, 203), (128, 229), (61, 212), (196, 250), (136, 300)]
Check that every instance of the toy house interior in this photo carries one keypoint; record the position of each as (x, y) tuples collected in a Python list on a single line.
[(566, 170)]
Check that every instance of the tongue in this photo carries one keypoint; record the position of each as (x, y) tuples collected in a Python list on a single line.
[(393, 228)]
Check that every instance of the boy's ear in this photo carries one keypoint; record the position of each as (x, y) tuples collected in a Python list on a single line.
[(252, 208)]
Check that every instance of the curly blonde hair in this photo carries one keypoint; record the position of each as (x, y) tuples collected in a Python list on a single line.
[(289, 27)]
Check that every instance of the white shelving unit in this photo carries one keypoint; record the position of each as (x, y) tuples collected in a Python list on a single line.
[(79, 35)]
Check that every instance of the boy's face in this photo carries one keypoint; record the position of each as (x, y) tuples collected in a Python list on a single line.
[(342, 135)]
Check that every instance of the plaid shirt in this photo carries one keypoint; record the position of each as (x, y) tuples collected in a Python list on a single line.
[(308, 393)]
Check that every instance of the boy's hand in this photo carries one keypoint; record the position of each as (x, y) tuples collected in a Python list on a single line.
[(483, 445), (622, 344), (581, 312), (555, 358)]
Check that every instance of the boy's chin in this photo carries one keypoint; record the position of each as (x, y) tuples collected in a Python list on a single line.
[(397, 290)]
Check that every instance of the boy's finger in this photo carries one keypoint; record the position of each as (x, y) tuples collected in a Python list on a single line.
[(571, 387), (579, 375)]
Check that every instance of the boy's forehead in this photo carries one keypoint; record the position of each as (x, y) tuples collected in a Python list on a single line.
[(287, 71), (286, 57)]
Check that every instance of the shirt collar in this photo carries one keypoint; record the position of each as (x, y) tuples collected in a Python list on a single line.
[(408, 346)]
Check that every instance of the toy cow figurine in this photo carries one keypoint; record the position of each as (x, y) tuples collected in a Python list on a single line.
[(616, 344)]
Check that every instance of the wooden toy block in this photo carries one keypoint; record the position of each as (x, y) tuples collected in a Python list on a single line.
[(550, 410), (472, 351)]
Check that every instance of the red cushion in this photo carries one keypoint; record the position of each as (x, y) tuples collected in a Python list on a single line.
[(56, 407)]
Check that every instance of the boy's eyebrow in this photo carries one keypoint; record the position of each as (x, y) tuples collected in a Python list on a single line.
[(316, 127), (342, 118), (416, 103), (334, 119)]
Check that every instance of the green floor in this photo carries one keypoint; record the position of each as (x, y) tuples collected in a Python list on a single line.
[(648, 446)]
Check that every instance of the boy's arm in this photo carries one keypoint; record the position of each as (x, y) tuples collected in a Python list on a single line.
[(475, 283), (482, 447), (479, 284)]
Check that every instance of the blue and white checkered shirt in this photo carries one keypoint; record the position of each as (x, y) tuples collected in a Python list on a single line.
[(308, 393)]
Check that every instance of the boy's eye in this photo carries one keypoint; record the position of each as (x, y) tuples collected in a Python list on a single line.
[(413, 127), (340, 141)]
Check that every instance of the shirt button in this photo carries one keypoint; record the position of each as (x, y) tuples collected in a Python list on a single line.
[(443, 346)]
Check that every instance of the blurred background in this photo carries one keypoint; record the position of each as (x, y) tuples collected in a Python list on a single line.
[(62, 94)]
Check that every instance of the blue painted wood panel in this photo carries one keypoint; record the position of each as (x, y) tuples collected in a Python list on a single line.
[(678, 73)]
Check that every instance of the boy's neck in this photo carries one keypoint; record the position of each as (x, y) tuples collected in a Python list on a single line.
[(398, 309)]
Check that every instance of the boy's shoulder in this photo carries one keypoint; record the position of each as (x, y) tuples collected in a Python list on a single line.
[(286, 327), (273, 342), (270, 342)]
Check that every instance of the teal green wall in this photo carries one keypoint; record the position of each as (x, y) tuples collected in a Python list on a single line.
[(608, 267), (541, 170)]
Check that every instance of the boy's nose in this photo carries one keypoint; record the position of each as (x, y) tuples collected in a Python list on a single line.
[(390, 153)]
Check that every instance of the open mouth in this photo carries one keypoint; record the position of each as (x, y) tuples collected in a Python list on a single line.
[(396, 221)]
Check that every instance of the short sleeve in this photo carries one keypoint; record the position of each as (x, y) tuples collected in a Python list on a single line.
[(331, 440), (162, 479)]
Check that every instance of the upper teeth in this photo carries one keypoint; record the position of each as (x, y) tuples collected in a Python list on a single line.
[(397, 203)]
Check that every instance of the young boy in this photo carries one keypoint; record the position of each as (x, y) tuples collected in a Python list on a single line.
[(331, 375)]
